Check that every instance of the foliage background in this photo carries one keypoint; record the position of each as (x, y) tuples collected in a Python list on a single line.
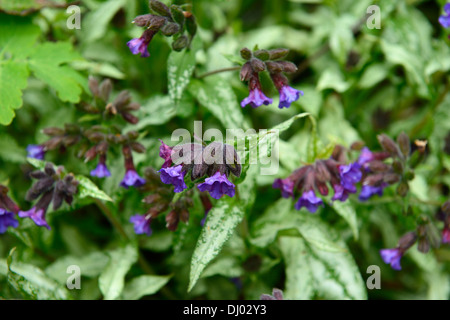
[(357, 84)]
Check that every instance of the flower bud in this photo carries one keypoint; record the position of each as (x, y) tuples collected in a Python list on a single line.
[(184, 215), (391, 178), (191, 25), (357, 146), (105, 89), (70, 140), (409, 175), (133, 106), (274, 67), (130, 118), (137, 147), (159, 8), (180, 43), (404, 144), (142, 20), (397, 166), (246, 71), (170, 28), (122, 99), (288, 66), (378, 166), (262, 54), (424, 245), (246, 53), (389, 145), (257, 65), (172, 220), (53, 131), (402, 189), (279, 53), (407, 240), (177, 14), (95, 137), (93, 86)]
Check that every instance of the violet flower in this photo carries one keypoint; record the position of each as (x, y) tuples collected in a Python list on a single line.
[(132, 179), (286, 186), (7, 219), (174, 176), (444, 20), (35, 151), (369, 191), (142, 224), (37, 215), (392, 257), (217, 186), (288, 95), (309, 201)]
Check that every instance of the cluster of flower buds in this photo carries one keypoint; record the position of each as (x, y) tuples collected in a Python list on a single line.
[(378, 174), (160, 200), (95, 140), (170, 21), (261, 60), (216, 161), (8, 210), (51, 187)]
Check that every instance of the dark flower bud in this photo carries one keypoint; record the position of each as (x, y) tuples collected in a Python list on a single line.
[(191, 24), (181, 43), (397, 166), (172, 220), (53, 131), (122, 99), (409, 175), (93, 86), (279, 53), (159, 8), (402, 189), (262, 54), (102, 147), (37, 174), (91, 153), (288, 66), (407, 240), (446, 207), (105, 89), (391, 178), (142, 20), (424, 245), (58, 195), (321, 172), (198, 171), (95, 137), (41, 186), (133, 106), (274, 67), (257, 65), (49, 170), (322, 187), (70, 140), (232, 161), (378, 166), (389, 145), (53, 143), (137, 147), (132, 135), (404, 144), (246, 71), (357, 145), (177, 14), (152, 198), (130, 118), (184, 215), (170, 28), (246, 53)]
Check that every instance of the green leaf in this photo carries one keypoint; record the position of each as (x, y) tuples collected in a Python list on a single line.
[(91, 265), (180, 67), (347, 211), (112, 279), (143, 286), (13, 77), (374, 74), (220, 225), (216, 95), (39, 164), (32, 282), (341, 37), (332, 79), (46, 64), (96, 22), (88, 189), (15, 153)]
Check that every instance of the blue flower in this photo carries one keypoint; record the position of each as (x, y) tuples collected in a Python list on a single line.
[(340, 193), (444, 20), (392, 257), (165, 152), (286, 186), (309, 201), (7, 219), (131, 178), (35, 151), (255, 99), (142, 224), (368, 191), (217, 186), (288, 95), (37, 215), (101, 171), (174, 176), (350, 175), (365, 156)]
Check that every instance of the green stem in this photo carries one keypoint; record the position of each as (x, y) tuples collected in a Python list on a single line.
[(210, 73)]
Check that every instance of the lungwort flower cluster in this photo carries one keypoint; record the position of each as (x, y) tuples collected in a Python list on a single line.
[(215, 161), (259, 61), (171, 22), (51, 187), (94, 139), (8, 211)]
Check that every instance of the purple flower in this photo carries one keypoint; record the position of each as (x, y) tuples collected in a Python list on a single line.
[(131, 178), (444, 20), (350, 175), (256, 98), (142, 224), (277, 294), (35, 151), (286, 186), (369, 191), (217, 186), (174, 175), (37, 215), (365, 156), (340, 193), (446, 234), (101, 171), (165, 152), (309, 201), (7, 219), (392, 257), (288, 95)]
